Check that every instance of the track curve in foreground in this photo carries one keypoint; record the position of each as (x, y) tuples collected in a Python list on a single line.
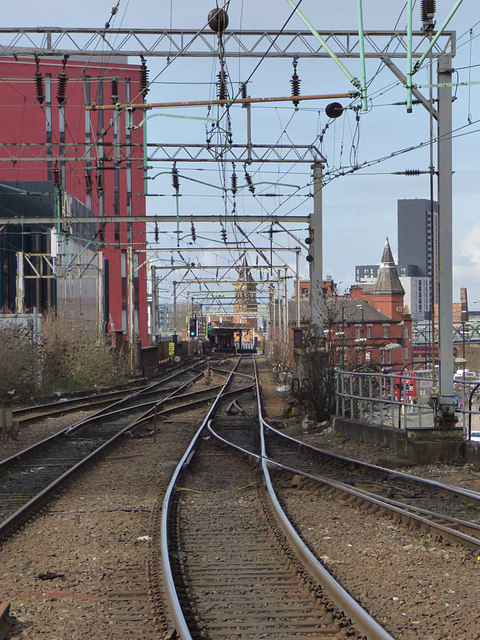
[(230, 570)]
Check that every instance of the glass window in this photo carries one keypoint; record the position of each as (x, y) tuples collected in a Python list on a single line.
[(385, 330)]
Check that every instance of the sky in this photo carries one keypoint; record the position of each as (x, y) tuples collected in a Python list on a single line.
[(359, 209)]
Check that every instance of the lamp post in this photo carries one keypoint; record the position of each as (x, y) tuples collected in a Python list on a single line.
[(362, 329)]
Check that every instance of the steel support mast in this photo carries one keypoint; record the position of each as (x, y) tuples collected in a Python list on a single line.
[(446, 407)]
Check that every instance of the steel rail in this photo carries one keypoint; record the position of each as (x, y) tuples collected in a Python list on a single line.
[(336, 592), (446, 526), (465, 493), (418, 514), (171, 594), (342, 599), (19, 516), (106, 410)]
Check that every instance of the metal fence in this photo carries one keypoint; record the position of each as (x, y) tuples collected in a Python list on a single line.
[(393, 400), (401, 400)]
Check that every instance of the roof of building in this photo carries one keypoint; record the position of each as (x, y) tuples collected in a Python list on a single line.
[(387, 279), (340, 310)]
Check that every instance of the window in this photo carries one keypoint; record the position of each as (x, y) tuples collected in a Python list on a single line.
[(385, 330), (369, 330), (358, 331)]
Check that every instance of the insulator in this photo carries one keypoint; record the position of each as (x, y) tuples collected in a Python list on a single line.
[(234, 183), (156, 232), (56, 176), (248, 178), (62, 87), (143, 78), (309, 258), (175, 181), (428, 10), (412, 172), (224, 234), (99, 182), (295, 82), (114, 90), (243, 90), (88, 181), (222, 90), (194, 235), (39, 86)]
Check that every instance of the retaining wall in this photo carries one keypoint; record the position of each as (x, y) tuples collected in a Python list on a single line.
[(414, 446)]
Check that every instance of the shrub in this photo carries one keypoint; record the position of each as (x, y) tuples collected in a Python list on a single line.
[(20, 363), (76, 358), (69, 358)]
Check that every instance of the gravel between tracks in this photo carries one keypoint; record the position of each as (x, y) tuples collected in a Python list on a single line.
[(92, 534)]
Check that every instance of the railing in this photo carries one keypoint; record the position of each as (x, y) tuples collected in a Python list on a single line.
[(393, 400), (401, 400)]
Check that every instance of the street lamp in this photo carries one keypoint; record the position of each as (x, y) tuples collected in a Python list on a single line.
[(362, 330)]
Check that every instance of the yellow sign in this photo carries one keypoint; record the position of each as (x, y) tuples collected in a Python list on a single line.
[(171, 348)]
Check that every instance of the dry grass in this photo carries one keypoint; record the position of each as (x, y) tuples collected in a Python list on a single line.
[(69, 358)]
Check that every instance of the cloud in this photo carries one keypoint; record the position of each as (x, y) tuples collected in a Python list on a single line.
[(470, 245)]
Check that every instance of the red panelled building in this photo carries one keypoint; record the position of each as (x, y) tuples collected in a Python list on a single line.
[(47, 134)]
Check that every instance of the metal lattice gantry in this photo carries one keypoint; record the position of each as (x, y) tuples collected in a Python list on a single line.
[(170, 43)]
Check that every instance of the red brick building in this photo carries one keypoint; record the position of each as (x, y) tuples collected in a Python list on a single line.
[(47, 135), (369, 325), (372, 326)]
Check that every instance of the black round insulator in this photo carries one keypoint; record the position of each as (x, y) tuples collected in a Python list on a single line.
[(218, 20), (156, 232), (308, 240), (175, 181), (224, 234), (243, 89), (428, 8), (334, 110), (222, 90), (295, 82), (61, 87), (144, 79), (194, 235), (39, 87), (234, 183), (309, 258)]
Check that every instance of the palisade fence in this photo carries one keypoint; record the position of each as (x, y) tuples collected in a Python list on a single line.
[(401, 400)]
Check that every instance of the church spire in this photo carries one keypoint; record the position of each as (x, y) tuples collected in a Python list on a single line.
[(387, 279)]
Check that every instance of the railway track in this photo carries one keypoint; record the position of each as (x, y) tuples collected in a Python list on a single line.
[(448, 512), (233, 565), (29, 478), (66, 403)]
